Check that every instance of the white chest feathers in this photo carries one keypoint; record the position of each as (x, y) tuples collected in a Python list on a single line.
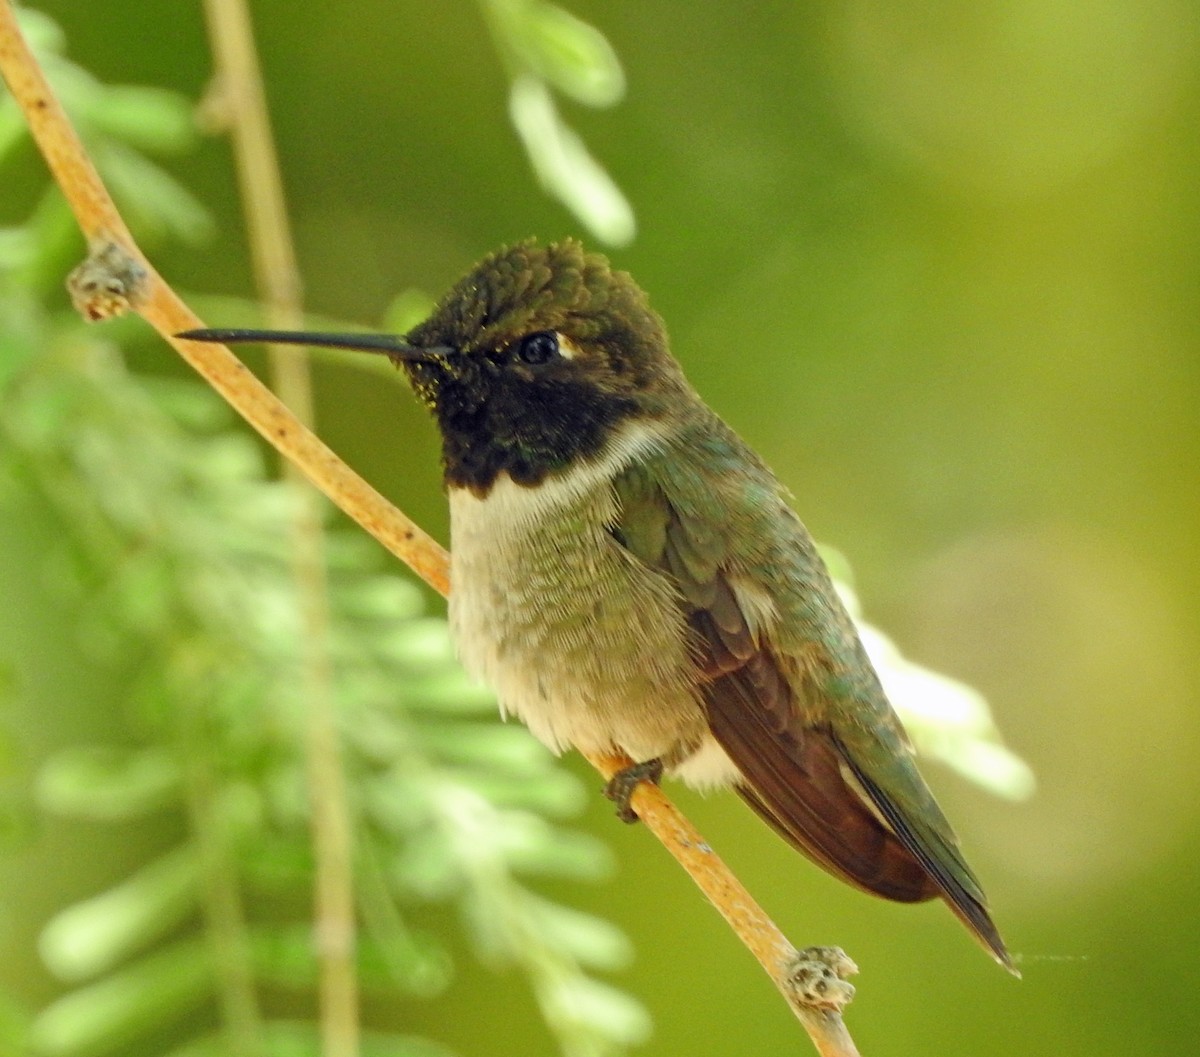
[(578, 638)]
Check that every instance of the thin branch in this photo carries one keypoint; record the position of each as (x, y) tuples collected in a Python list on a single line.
[(817, 1006), (166, 312), (241, 100)]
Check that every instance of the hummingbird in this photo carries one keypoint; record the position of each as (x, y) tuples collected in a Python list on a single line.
[(629, 577)]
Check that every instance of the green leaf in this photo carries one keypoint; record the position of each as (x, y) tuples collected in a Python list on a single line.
[(421, 646), (278, 863), (531, 845), (558, 47), (108, 783), (564, 166), (552, 791), (452, 692), (596, 1008), (398, 801), (91, 937), (59, 244), (589, 940), (190, 404), (44, 35), (286, 957), (155, 202), (234, 457), (508, 748), (378, 598), (124, 1006), (427, 866), (373, 731), (420, 966), (574, 56), (151, 119)]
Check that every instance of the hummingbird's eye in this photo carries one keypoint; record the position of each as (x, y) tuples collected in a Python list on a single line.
[(538, 348)]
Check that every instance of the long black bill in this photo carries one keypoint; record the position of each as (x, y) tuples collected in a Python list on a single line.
[(388, 344)]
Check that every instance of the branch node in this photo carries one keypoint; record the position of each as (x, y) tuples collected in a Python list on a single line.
[(110, 282), (817, 976)]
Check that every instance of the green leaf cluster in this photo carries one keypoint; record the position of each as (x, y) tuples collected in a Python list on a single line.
[(171, 548), (547, 49)]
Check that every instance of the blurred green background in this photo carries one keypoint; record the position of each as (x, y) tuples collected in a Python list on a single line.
[(937, 262)]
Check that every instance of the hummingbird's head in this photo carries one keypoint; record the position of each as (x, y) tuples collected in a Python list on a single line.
[(535, 360)]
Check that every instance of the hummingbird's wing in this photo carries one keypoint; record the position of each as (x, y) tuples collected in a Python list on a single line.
[(790, 694)]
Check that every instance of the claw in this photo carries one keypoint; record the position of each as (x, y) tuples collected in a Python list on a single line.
[(621, 785)]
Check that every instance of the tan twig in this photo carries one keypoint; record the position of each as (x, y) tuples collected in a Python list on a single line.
[(163, 309), (242, 102)]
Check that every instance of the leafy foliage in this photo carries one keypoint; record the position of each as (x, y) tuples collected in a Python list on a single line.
[(170, 552), (546, 50)]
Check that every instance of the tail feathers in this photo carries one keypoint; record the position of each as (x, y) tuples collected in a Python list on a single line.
[(938, 856), (801, 782)]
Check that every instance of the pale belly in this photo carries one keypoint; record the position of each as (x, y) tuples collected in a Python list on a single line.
[(577, 638)]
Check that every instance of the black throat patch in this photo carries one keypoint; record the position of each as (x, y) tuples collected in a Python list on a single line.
[(529, 431)]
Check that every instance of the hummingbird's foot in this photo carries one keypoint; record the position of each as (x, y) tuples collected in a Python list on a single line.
[(621, 785), (817, 976)]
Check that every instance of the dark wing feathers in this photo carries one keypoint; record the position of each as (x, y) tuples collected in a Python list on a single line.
[(793, 774), (820, 783), (795, 782)]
